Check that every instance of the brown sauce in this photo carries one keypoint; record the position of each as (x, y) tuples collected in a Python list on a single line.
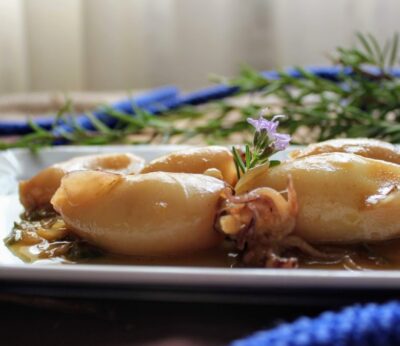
[(214, 258), (30, 242), (379, 256), (384, 255)]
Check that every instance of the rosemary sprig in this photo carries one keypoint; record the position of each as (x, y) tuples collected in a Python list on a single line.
[(364, 101), (266, 142)]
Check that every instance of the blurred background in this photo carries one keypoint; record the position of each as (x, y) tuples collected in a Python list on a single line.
[(124, 45)]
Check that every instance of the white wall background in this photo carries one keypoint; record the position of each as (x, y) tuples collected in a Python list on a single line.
[(128, 44)]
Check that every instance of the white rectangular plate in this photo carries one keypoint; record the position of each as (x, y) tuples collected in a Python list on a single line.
[(20, 164)]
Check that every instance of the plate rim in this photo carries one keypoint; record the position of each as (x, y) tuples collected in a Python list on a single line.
[(201, 277)]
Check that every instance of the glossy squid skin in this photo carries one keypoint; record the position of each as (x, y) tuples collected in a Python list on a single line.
[(342, 198), (196, 160), (152, 214), (370, 148), (37, 191)]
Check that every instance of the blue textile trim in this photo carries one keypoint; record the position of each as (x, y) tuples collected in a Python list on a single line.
[(158, 100), (159, 95), (198, 97), (221, 91), (357, 325)]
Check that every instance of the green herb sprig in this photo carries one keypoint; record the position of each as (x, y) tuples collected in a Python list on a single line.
[(363, 102), (266, 142)]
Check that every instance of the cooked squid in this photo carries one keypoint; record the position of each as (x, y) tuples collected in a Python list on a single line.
[(37, 191), (150, 214), (197, 160), (342, 198), (371, 148), (260, 222)]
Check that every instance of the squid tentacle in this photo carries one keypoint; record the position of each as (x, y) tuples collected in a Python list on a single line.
[(262, 222)]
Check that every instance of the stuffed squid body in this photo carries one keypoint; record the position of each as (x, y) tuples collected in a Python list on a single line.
[(197, 160), (37, 191), (151, 214), (342, 198), (370, 148)]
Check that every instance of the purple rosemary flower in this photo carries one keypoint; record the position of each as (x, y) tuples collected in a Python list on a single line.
[(282, 141), (267, 141), (279, 141)]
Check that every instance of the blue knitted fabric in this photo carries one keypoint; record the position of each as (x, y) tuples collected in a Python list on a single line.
[(357, 325)]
